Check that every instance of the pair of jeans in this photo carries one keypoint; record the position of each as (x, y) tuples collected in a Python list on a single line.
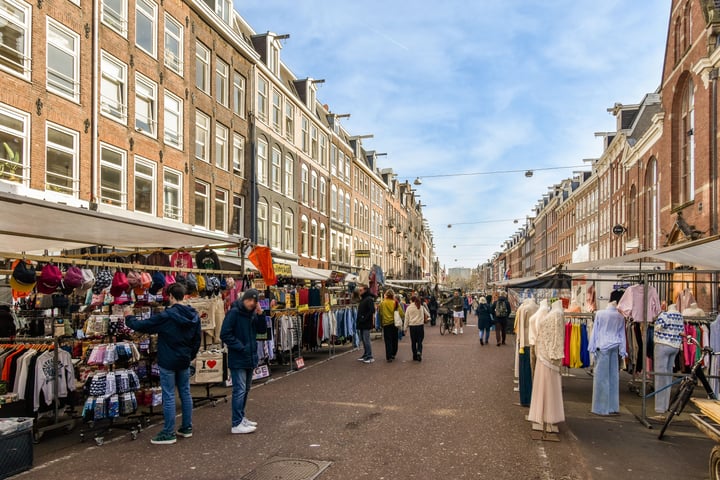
[(169, 380), (485, 334), (241, 383), (606, 382), (417, 334), (390, 335), (433, 317), (500, 327), (367, 346), (664, 361)]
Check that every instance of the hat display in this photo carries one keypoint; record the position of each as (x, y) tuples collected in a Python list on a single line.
[(134, 279), (88, 280), (158, 282), (73, 278), (102, 281), (250, 294), (145, 280), (200, 283), (23, 278), (49, 280), (119, 284), (192, 283)]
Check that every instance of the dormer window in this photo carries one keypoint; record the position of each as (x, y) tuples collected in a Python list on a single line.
[(311, 96), (222, 8), (274, 58)]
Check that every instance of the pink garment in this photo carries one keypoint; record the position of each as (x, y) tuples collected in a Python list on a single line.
[(568, 335), (689, 348), (631, 303), (684, 299), (181, 259)]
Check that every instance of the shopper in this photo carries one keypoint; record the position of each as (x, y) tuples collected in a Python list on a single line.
[(501, 312), (485, 320), (388, 307), (179, 333), (466, 307), (416, 316), (365, 320), (457, 304), (239, 332), (433, 308), (668, 338)]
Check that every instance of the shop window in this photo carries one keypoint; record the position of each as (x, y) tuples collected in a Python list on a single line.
[(144, 186), (113, 176), (202, 204), (173, 45), (172, 194), (61, 170), (63, 52)]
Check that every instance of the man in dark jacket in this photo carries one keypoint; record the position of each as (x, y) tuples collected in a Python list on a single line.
[(365, 320), (179, 334), (239, 333), (501, 312), (433, 307)]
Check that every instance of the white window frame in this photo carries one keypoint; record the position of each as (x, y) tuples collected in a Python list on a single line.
[(117, 21), (73, 151), (323, 150), (289, 231), (314, 148), (149, 10), (341, 205), (305, 134), (289, 174), (322, 243), (347, 208), (313, 239), (323, 196), (149, 97), (168, 114), (152, 178), (314, 190), (238, 208), (173, 212), (276, 227), (222, 134), (11, 164), (239, 85), (73, 52), (222, 82), (289, 121), (202, 66), (122, 169), (221, 201), (174, 61), (262, 98), (262, 222), (261, 171), (333, 160), (206, 196), (304, 184), (109, 105), (203, 139), (277, 111), (276, 169), (304, 236), (333, 202), (238, 154)]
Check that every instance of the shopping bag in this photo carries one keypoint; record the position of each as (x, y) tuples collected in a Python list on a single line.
[(208, 368)]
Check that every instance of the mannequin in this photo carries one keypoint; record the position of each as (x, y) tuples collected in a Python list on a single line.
[(607, 343), (693, 311), (522, 322), (533, 323), (669, 327), (546, 406)]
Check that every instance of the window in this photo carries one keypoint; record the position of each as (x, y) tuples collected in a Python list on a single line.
[(323, 242), (222, 8), (202, 204), (113, 88), (304, 245), (145, 105), (355, 214), (238, 216), (238, 154), (262, 99), (304, 185), (221, 146), (112, 176), (275, 228), (221, 210), (651, 206), (687, 23), (341, 206), (333, 202), (239, 95), (222, 72), (172, 194), (687, 142), (313, 239), (173, 45), (63, 51), (314, 189), (274, 59), (305, 140), (347, 169), (289, 231), (262, 162), (276, 169), (14, 136), (347, 208), (289, 176), (114, 15), (289, 121), (277, 112), (262, 218), (333, 160), (333, 247), (202, 136), (323, 150), (144, 186), (202, 67), (61, 171), (173, 121), (314, 143), (323, 196), (145, 26)]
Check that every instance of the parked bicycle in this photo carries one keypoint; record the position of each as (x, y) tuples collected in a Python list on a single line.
[(680, 399)]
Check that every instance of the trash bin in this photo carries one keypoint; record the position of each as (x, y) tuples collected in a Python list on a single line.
[(16, 446)]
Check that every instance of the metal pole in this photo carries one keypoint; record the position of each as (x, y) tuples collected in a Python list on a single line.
[(643, 329)]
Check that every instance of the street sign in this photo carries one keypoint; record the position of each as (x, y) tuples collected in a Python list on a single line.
[(618, 230)]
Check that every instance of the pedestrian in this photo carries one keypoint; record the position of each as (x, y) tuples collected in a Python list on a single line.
[(388, 307), (433, 308), (239, 332), (457, 305), (365, 318), (501, 312), (416, 316), (466, 308), (485, 320), (179, 334)]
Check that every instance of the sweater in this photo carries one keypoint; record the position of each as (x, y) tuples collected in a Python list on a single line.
[(415, 316), (387, 312)]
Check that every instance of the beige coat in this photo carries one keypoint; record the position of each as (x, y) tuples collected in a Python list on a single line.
[(415, 316)]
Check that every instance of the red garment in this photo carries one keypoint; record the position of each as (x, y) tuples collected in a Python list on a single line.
[(262, 259), (181, 259), (8, 363), (568, 335), (304, 295), (689, 348)]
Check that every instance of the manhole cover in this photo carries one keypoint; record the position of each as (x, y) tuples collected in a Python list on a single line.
[(288, 469)]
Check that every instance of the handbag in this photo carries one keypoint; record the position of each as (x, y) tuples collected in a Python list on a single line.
[(208, 367), (397, 319)]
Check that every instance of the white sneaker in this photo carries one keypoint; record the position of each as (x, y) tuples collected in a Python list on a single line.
[(369, 360), (461, 331), (242, 429), (249, 423), (454, 331)]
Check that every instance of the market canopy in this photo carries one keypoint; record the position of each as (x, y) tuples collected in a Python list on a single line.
[(548, 280)]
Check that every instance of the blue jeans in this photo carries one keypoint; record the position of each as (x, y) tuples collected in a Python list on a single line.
[(606, 382), (485, 334), (169, 379), (241, 381), (664, 361), (365, 337)]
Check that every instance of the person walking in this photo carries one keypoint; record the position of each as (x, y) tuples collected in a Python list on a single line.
[(433, 309), (416, 316), (466, 308), (457, 304), (501, 312), (485, 320), (388, 307), (365, 319), (179, 334), (239, 332)]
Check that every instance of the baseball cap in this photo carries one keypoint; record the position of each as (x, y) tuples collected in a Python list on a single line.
[(120, 284), (250, 294), (23, 278), (50, 278)]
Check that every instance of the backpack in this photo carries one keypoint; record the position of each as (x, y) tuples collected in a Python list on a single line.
[(501, 309)]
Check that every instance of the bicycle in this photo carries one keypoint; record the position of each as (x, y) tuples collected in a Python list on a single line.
[(680, 399), (446, 323)]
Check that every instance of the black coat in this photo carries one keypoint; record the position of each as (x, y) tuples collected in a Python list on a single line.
[(485, 317), (366, 312)]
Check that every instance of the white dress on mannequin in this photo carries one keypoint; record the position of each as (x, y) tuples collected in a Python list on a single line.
[(547, 402)]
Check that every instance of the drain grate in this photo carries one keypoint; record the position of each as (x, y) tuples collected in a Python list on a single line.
[(288, 469)]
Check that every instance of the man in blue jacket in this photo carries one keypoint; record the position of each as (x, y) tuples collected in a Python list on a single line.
[(179, 333), (239, 333)]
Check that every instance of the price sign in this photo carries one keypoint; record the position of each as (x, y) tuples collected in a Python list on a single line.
[(299, 363), (261, 372)]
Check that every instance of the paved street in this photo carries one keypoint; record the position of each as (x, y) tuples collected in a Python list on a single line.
[(452, 416)]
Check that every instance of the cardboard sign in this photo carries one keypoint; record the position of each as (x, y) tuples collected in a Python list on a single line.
[(261, 372), (299, 363)]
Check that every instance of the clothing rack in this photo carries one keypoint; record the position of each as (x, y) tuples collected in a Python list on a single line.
[(57, 422)]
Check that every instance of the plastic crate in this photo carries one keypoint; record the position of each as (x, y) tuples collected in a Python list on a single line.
[(16, 453)]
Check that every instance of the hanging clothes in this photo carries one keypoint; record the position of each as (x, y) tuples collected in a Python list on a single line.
[(632, 303)]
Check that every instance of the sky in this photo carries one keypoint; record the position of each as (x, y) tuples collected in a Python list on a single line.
[(482, 86)]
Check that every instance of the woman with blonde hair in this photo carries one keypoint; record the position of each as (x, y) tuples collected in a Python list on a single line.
[(416, 316), (485, 320), (387, 309)]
